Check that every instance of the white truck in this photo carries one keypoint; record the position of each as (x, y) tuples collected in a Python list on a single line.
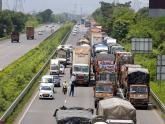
[(81, 64), (54, 67)]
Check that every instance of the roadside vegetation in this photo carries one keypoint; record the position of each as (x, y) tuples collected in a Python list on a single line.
[(16, 76), (123, 23), (17, 21)]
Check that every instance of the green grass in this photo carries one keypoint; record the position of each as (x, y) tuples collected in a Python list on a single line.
[(16, 76), (24, 102)]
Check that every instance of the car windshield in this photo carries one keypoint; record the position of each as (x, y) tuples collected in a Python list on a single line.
[(45, 88), (47, 80), (103, 89), (138, 89), (81, 69)]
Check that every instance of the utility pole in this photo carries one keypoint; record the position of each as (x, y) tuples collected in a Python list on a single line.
[(0, 5)]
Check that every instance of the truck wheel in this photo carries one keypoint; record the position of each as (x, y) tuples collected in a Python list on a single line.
[(146, 107)]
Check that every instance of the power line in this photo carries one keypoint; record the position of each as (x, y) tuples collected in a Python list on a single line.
[(0, 5)]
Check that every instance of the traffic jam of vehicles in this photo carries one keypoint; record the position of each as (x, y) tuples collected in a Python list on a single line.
[(99, 61)]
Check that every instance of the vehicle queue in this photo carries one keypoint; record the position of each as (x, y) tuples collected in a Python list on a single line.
[(101, 62)]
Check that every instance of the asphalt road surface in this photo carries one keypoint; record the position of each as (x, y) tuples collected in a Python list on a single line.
[(10, 52), (41, 111)]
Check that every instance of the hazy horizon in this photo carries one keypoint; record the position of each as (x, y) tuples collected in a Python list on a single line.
[(70, 6)]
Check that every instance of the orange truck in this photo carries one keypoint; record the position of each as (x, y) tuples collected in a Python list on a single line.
[(30, 32), (104, 88)]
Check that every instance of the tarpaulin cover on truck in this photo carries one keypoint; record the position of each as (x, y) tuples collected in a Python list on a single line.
[(73, 115), (116, 108), (138, 76)]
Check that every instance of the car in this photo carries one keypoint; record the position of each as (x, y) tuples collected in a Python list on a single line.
[(47, 79), (46, 92), (40, 33), (62, 69), (56, 80)]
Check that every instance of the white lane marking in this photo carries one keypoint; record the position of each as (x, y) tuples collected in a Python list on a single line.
[(27, 109)]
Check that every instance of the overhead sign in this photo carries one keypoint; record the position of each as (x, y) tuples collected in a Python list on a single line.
[(141, 45), (160, 67)]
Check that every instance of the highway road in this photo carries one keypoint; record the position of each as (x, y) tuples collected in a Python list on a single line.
[(9, 52), (41, 111)]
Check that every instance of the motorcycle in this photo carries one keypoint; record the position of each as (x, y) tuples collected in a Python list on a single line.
[(64, 90)]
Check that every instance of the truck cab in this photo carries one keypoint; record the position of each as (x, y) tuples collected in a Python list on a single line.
[(82, 72), (136, 87), (54, 67), (14, 36), (105, 87), (30, 32)]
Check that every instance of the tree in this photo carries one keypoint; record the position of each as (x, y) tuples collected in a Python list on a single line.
[(45, 16), (120, 29)]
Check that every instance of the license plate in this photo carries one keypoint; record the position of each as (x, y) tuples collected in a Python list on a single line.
[(46, 95)]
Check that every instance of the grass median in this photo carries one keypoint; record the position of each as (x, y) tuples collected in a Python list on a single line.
[(16, 76)]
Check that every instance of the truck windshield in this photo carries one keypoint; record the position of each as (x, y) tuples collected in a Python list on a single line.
[(81, 69), (109, 77), (104, 89), (138, 89), (61, 55), (54, 67)]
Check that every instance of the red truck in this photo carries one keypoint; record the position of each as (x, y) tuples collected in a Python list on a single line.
[(30, 32)]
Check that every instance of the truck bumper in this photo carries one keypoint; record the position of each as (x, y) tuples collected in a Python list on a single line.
[(139, 102)]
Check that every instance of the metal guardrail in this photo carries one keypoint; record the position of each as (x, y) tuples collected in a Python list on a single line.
[(23, 93), (160, 103)]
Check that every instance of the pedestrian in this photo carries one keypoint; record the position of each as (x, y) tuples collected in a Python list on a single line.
[(72, 88), (65, 87), (73, 78)]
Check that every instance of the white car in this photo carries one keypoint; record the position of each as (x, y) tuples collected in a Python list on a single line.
[(62, 69), (47, 80), (46, 92), (40, 33)]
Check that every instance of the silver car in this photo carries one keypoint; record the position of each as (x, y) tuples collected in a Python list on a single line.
[(56, 80)]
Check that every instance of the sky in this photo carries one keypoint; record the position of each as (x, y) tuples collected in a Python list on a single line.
[(59, 6)]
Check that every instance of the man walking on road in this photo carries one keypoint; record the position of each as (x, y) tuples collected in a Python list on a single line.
[(73, 80)]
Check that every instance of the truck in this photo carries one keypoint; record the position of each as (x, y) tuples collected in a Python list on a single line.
[(122, 58), (104, 63), (54, 67), (63, 54), (135, 84), (81, 64), (116, 111), (105, 88), (83, 41), (15, 36), (113, 48), (99, 48), (30, 32), (73, 115)]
